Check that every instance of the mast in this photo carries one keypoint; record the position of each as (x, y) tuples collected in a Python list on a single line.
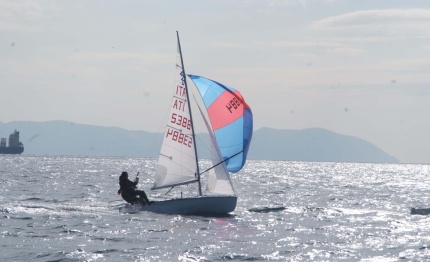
[(191, 115)]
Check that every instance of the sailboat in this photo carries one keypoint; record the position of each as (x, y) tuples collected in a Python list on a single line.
[(230, 130)]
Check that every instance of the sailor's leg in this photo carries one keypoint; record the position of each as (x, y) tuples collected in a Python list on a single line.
[(129, 198), (142, 195)]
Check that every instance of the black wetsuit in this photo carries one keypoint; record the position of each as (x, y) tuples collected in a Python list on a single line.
[(129, 192)]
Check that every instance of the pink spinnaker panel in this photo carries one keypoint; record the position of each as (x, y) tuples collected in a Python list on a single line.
[(226, 109)]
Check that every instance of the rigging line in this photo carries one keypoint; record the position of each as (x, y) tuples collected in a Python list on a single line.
[(162, 126), (221, 162), (169, 190), (160, 130)]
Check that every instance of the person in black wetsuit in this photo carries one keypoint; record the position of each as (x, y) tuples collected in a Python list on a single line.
[(129, 192)]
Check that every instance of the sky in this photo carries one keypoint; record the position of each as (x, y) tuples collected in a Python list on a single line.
[(357, 68)]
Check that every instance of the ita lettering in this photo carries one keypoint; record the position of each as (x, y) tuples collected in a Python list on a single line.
[(181, 91), (180, 104)]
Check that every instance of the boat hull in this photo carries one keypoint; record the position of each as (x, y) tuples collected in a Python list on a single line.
[(205, 205), (11, 150)]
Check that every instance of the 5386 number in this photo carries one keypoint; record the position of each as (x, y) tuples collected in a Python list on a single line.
[(181, 121)]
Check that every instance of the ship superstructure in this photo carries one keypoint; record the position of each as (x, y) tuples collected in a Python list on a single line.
[(15, 146)]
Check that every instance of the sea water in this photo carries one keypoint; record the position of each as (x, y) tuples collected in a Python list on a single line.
[(66, 209)]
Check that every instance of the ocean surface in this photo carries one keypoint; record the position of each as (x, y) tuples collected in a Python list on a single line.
[(67, 209)]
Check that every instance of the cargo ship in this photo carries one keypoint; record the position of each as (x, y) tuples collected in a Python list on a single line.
[(15, 146)]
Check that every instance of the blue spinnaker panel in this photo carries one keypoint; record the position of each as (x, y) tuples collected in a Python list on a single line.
[(231, 120)]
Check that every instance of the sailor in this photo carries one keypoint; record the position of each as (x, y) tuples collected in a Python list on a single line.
[(129, 192)]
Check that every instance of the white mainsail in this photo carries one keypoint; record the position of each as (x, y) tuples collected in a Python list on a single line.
[(177, 159)]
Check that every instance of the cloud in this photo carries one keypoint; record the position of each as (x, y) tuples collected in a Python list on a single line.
[(348, 51), (389, 25), (303, 3), (22, 15), (29, 9), (367, 17), (226, 45), (302, 43), (405, 71), (307, 56), (126, 56), (339, 46), (15, 26)]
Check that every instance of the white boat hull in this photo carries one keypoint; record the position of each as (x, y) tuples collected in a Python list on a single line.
[(205, 205)]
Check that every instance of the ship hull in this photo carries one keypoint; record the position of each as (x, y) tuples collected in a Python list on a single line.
[(11, 150)]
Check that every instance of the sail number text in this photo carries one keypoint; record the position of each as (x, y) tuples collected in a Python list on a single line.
[(233, 104), (177, 136), (180, 121), (181, 91)]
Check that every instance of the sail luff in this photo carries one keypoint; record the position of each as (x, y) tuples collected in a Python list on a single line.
[(191, 115)]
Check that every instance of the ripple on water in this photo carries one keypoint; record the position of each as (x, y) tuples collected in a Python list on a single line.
[(287, 211)]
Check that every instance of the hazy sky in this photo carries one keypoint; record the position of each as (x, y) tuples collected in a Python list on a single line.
[(359, 68)]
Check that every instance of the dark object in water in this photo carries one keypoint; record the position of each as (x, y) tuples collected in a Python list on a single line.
[(15, 146), (420, 211), (266, 209)]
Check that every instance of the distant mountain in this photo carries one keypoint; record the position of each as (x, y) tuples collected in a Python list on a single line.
[(66, 138), (314, 144)]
